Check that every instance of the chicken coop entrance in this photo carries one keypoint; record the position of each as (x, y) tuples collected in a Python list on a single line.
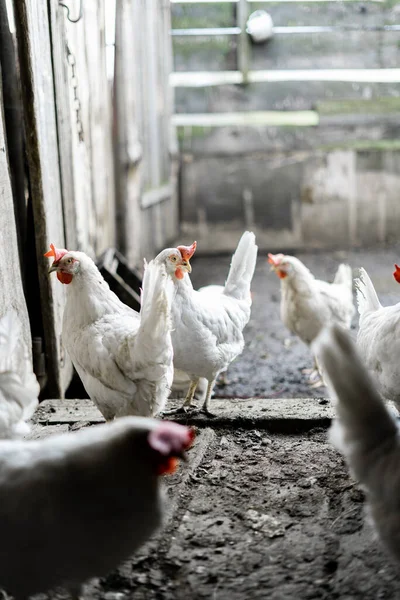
[(295, 138)]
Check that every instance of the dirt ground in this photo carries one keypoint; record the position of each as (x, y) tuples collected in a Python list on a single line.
[(255, 514), (261, 517), (271, 363)]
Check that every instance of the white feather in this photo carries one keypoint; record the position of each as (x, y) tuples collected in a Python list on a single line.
[(19, 388), (365, 432)]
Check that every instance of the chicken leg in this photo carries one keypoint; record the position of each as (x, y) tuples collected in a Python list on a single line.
[(188, 403), (204, 408)]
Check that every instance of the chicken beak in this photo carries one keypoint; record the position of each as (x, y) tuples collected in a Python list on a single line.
[(53, 268), (185, 264), (272, 259)]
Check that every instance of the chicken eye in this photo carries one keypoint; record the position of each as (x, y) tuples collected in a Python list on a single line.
[(69, 261), (173, 258)]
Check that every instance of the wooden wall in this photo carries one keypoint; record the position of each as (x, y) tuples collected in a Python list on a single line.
[(75, 139), (147, 157)]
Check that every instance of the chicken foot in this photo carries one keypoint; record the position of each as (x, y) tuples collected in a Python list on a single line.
[(315, 378), (188, 403)]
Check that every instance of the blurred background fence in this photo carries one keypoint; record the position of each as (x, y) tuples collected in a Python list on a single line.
[(296, 138)]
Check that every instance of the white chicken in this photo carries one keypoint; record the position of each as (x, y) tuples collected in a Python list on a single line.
[(19, 389), (123, 358), (74, 506), (208, 328), (181, 381), (309, 304), (378, 338), (365, 432)]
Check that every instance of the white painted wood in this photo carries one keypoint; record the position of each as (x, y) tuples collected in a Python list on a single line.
[(301, 118), (205, 79)]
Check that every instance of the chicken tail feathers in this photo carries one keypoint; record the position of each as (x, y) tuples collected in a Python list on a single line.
[(367, 299), (242, 267), (344, 276), (363, 419), (19, 388)]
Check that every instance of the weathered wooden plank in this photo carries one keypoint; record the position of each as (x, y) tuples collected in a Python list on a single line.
[(199, 53), (218, 14), (338, 50), (243, 42), (62, 80), (285, 95), (335, 50), (11, 290), (242, 140), (143, 101), (80, 125), (194, 15), (42, 151), (99, 127), (128, 117)]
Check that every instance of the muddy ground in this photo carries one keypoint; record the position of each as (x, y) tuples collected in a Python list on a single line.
[(257, 515)]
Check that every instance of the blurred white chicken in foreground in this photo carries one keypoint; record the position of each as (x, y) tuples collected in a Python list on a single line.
[(74, 506), (19, 389), (181, 381), (378, 338), (365, 432), (207, 334), (123, 358), (309, 304)]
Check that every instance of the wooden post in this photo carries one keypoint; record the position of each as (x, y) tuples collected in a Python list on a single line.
[(243, 42)]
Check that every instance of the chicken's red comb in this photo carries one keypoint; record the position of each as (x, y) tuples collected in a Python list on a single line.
[(171, 439), (396, 273), (275, 259), (55, 253), (187, 251)]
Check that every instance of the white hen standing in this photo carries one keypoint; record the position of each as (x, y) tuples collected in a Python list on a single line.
[(208, 328), (181, 381), (309, 304), (123, 358), (19, 389), (74, 506), (365, 432), (378, 338)]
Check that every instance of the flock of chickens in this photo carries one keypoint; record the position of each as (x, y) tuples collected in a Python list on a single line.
[(51, 531)]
